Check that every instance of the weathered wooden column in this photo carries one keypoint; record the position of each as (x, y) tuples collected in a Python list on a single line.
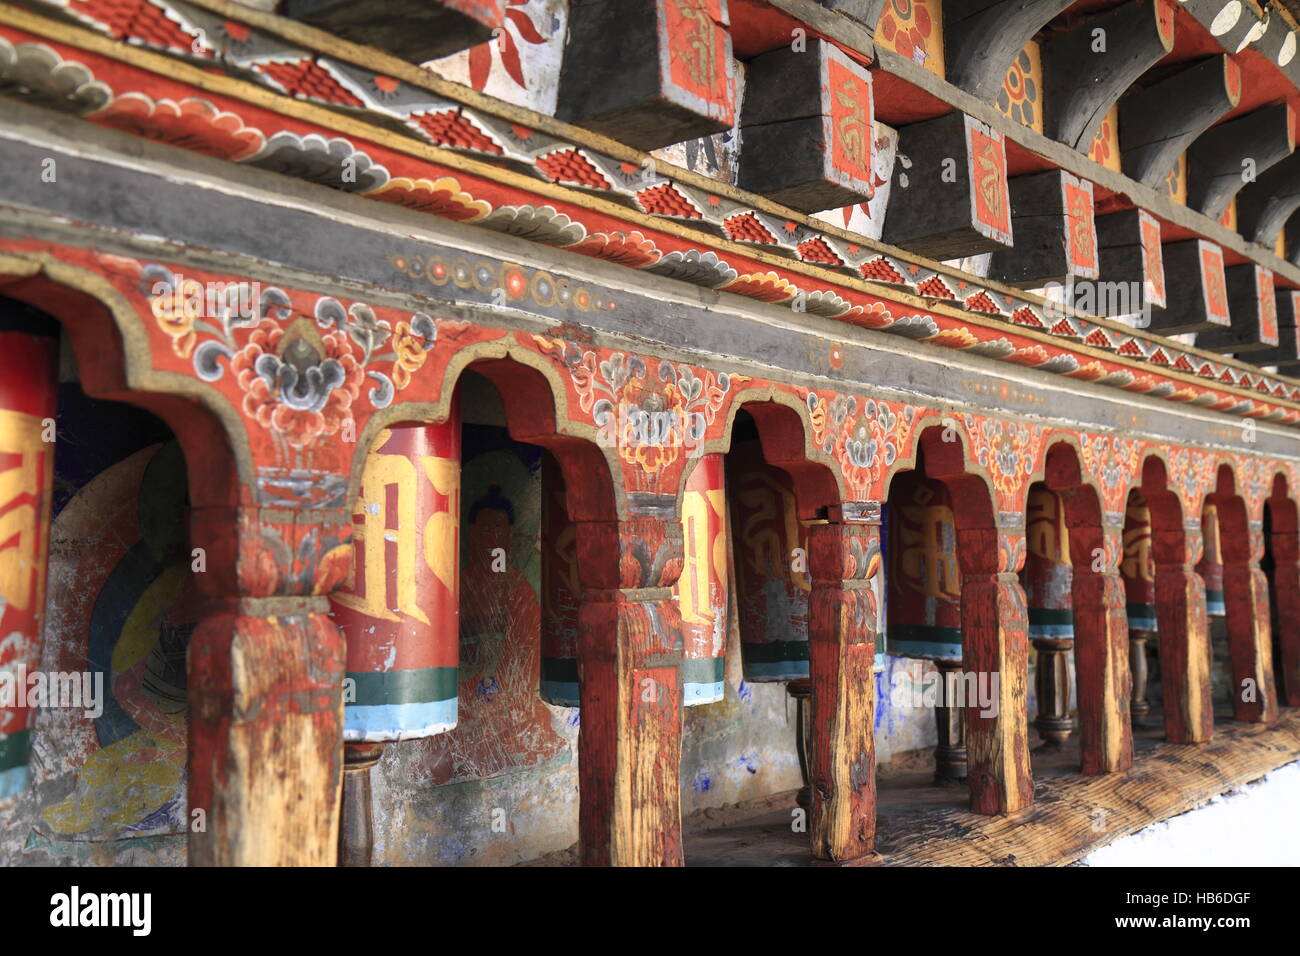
[(629, 665), (1285, 545), (1101, 650), (844, 558), (995, 654), (266, 668), (1182, 626), (1250, 635)]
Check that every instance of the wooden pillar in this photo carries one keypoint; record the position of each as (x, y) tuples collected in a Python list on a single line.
[(629, 663), (1101, 653), (1286, 588), (844, 559), (1250, 636), (995, 654), (1183, 629), (266, 666)]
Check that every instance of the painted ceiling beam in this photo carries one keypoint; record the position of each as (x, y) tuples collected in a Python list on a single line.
[(415, 30), (1055, 234), (1129, 255), (1285, 356), (1252, 304), (983, 37), (1264, 206), (1225, 158), (949, 195), (1195, 267), (648, 74), (1158, 123), (1087, 69), (806, 128)]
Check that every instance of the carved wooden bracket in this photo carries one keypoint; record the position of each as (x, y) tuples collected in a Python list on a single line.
[(983, 37), (648, 74), (1158, 123), (949, 196), (1087, 69), (807, 128), (416, 30), (1264, 206), (1224, 159)]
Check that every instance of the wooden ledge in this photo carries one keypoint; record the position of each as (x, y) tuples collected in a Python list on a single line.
[(1072, 815)]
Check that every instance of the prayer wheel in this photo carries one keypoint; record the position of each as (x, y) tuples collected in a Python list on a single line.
[(923, 600), (702, 588), (1210, 567), (399, 612), (771, 562), (29, 364), (924, 581)]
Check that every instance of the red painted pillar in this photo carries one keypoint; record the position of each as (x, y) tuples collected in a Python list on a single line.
[(629, 666), (1183, 631), (29, 365), (995, 657), (1286, 587), (1250, 634), (1101, 651), (844, 609)]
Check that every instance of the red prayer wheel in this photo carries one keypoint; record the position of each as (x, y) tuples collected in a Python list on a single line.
[(924, 580), (1138, 567), (1210, 567), (702, 587), (29, 365), (1048, 575), (400, 609), (771, 563)]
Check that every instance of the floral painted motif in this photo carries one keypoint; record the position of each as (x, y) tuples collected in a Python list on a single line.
[(1020, 98), (1114, 462), (298, 376), (865, 439), (914, 29), (652, 411), (1008, 451)]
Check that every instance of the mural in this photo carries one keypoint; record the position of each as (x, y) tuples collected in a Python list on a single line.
[(111, 785)]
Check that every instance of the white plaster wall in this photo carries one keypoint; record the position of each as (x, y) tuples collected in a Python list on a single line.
[(1254, 825)]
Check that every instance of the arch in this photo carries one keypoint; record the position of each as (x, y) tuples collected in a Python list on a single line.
[(994, 627), (112, 358), (1099, 612), (785, 432), (1246, 603), (536, 411), (1182, 626)]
